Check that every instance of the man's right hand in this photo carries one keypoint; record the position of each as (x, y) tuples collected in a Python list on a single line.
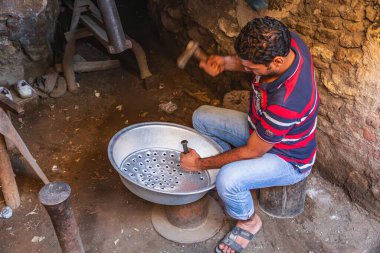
[(214, 65)]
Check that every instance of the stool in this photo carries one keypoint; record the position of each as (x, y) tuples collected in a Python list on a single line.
[(283, 201)]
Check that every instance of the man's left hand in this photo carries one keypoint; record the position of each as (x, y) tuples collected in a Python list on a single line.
[(190, 161)]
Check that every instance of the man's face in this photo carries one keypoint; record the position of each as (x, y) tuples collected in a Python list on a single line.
[(259, 69)]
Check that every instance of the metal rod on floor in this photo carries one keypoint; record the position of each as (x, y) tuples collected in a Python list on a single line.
[(56, 199)]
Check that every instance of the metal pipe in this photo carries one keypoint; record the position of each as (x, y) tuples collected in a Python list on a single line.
[(184, 145), (113, 26), (55, 197)]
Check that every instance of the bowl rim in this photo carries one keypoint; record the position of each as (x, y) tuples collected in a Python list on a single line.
[(128, 128)]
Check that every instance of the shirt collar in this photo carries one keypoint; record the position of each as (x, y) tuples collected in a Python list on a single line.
[(288, 73)]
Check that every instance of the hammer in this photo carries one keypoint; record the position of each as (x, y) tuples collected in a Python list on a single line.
[(192, 49)]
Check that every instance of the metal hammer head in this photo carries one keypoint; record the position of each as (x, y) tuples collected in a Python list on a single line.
[(192, 49)]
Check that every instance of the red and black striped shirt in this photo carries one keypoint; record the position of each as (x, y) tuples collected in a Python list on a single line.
[(284, 112)]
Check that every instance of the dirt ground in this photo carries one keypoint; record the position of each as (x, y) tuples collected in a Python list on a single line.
[(69, 137)]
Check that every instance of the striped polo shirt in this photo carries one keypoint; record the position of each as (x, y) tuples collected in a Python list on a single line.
[(284, 112)]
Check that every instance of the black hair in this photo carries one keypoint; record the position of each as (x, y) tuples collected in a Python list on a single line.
[(262, 39)]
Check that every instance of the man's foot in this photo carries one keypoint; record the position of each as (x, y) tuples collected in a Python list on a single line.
[(252, 225)]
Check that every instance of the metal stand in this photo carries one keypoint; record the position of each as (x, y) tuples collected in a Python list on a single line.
[(56, 199), (190, 223), (105, 25)]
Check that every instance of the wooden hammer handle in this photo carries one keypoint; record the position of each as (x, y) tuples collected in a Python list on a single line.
[(200, 54)]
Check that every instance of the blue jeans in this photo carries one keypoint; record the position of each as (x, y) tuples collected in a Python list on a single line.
[(235, 180)]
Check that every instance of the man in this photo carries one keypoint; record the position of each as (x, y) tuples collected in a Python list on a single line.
[(276, 146)]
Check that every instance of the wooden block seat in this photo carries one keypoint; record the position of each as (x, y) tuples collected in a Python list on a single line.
[(283, 201)]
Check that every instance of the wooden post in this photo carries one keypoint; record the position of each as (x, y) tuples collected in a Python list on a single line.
[(7, 178), (9, 144)]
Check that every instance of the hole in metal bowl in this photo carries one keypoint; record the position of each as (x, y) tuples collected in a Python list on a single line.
[(157, 172)]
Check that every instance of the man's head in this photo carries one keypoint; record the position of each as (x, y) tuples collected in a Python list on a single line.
[(262, 45)]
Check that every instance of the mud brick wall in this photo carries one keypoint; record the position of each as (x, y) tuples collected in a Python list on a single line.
[(26, 30), (344, 39)]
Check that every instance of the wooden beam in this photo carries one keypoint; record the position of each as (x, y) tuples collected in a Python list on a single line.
[(9, 105), (91, 66)]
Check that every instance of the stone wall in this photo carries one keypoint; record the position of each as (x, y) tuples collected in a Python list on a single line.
[(26, 30), (344, 39)]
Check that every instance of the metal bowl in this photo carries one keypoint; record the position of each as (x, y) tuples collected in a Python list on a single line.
[(146, 156)]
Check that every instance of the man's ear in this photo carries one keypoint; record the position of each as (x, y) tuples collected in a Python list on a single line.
[(278, 61)]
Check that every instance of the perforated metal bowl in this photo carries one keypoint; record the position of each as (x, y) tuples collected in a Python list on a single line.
[(146, 156)]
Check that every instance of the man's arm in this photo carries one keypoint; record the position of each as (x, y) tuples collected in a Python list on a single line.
[(255, 147), (233, 63), (216, 64)]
